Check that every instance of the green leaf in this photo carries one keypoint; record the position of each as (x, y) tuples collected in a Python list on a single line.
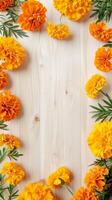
[(8, 28), (12, 192), (102, 10), (14, 154), (101, 162), (2, 187), (12, 15), (108, 45), (18, 2), (103, 111), (3, 154), (3, 126), (8, 25)]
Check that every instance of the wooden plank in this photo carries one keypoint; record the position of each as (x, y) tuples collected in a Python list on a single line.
[(56, 119)]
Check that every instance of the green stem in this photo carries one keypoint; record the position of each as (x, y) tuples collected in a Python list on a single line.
[(68, 189), (61, 18), (103, 92)]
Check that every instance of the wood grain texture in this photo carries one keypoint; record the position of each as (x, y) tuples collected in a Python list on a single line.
[(56, 119)]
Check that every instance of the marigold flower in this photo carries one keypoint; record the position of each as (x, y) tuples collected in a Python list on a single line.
[(34, 191), (9, 106), (12, 54), (10, 141), (100, 31), (33, 16), (60, 32), (61, 176), (14, 173), (100, 140), (103, 59), (75, 10), (84, 194), (94, 85), (61, 5), (4, 80), (95, 177), (5, 4)]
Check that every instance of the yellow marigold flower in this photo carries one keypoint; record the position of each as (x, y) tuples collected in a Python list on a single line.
[(84, 194), (34, 191), (10, 141), (100, 140), (75, 10), (94, 85), (95, 177), (5, 4), (61, 5), (100, 31), (4, 80), (14, 173), (12, 54), (61, 176), (103, 59), (60, 32), (10, 106)]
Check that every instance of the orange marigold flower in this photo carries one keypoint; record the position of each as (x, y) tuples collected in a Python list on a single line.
[(95, 177), (12, 54), (33, 16), (9, 106), (60, 32), (10, 141), (14, 173), (103, 59), (100, 31), (61, 176), (4, 80), (100, 140), (5, 4), (34, 191), (94, 85), (75, 10), (84, 194)]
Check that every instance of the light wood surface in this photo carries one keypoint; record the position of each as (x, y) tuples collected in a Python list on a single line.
[(56, 119)]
